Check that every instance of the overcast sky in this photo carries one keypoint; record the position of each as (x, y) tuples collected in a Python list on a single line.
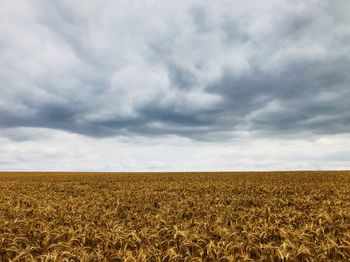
[(174, 85)]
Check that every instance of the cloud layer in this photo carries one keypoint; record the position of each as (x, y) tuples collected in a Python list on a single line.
[(189, 69)]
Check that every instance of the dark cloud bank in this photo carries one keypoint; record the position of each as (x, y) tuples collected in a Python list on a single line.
[(191, 70)]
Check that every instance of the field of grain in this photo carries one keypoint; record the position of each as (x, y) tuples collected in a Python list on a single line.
[(288, 216)]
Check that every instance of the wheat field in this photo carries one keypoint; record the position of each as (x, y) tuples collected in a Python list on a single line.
[(256, 216)]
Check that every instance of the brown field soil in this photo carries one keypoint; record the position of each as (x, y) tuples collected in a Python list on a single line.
[(276, 216)]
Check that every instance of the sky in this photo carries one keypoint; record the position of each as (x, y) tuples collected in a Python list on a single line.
[(184, 85)]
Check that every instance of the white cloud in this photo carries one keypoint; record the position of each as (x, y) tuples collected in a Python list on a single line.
[(57, 150)]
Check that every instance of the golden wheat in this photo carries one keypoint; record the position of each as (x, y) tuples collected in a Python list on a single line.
[(286, 216)]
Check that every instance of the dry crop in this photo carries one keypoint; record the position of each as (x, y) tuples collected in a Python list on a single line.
[(277, 216)]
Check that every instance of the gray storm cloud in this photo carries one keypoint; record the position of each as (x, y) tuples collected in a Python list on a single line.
[(190, 68)]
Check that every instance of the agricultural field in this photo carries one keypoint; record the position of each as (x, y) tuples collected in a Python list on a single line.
[(276, 216)]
